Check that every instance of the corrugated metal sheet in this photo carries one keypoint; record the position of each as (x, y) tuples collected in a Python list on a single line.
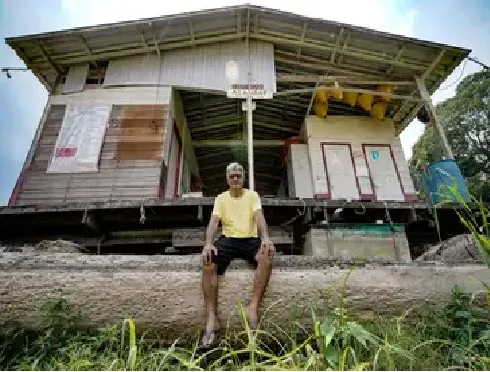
[(126, 173), (201, 67), (356, 131)]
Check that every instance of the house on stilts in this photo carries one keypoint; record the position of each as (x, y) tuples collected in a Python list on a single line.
[(143, 117)]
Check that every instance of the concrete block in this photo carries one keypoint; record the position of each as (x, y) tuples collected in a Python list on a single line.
[(353, 241)]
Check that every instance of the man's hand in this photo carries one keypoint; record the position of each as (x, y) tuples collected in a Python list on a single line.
[(267, 247), (208, 250)]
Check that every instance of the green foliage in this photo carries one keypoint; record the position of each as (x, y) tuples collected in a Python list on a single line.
[(466, 121), (455, 336)]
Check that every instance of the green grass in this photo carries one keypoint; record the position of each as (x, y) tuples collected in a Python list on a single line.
[(456, 336)]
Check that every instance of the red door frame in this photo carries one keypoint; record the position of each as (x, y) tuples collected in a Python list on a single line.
[(408, 197), (328, 195)]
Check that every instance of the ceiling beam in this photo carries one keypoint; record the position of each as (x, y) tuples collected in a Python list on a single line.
[(337, 43), (163, 46), (47, 57), (354, 90), (237, 143), (397, 57), (216, 125), (143, 41), (331, 79), (365, 55), (302, 38), (191, 31), (87, 48), (322, 65)]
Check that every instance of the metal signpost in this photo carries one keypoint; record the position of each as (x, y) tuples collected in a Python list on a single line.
[(249, 92)]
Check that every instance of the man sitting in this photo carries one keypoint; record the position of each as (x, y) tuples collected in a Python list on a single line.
[(240, 213)]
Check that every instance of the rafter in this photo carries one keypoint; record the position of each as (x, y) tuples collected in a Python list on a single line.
[(47, 57), (397, 57), (368, 56), (337, 43), (87, 48), (426, 73), (191, 30), (302, 38)]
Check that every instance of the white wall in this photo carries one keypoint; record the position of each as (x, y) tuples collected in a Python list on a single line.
[(200, 67), (356, 131)]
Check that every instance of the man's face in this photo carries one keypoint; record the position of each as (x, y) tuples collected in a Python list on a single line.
[(235, 180)]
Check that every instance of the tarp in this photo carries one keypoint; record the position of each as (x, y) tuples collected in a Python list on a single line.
[(80, 139)]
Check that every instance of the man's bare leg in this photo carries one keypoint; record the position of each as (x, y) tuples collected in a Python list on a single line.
[(210, 291), (261, 279)]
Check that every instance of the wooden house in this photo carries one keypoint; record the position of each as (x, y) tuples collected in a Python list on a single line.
[(141, 111)]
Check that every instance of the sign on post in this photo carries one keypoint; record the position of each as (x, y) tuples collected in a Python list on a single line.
[(242, 91)]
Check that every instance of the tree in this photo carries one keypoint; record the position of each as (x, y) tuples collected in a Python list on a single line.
[(465, 118)]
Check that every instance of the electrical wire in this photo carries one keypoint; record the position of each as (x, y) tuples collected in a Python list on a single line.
[(458, 79)]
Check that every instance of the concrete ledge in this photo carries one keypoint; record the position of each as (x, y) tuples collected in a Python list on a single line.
[(163, 293)]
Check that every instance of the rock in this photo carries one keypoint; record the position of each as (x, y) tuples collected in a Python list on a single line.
[(458, 249), (47, 246)]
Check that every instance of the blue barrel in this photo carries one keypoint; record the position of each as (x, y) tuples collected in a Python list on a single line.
[(442, 175)]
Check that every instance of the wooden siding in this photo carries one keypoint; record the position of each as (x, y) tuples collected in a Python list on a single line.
[(200, 67), (357, 131), (128, 170), (177, 113)]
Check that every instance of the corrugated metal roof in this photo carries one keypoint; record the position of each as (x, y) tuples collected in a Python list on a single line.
[(302, 46)]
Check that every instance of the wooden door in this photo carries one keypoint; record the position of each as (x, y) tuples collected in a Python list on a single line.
[(383, 173), (340, 171)]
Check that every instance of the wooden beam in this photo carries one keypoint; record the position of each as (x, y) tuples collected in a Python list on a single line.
[(143, 41), (354, 90), (87, 48), (285, 78), (311, 101), (47, 57), (323, 65), (239, 21), (217, 125), (397, 57), (162, 46), (434, 118), (344, 46), (365, 55), (302, 37), (337, 43), (426, 73), (157, 47), (237, 143), (191, 31)]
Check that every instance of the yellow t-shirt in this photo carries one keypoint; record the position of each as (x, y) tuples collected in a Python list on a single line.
[(237, 214)]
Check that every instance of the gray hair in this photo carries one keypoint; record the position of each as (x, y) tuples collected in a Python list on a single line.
[(234, 167)]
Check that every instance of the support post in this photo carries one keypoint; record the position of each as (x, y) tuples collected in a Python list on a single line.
[(433, 117), (249, 106)]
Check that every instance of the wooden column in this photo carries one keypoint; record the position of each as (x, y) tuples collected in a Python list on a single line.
[(433, 117)]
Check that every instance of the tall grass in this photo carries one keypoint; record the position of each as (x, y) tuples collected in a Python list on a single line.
[(456, 336)]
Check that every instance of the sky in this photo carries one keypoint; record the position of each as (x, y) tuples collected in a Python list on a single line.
[(464, 23)]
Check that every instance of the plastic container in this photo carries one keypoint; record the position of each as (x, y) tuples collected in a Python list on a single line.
[(440, 176)]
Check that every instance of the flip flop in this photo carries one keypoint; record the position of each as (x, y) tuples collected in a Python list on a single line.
[(206, 336)]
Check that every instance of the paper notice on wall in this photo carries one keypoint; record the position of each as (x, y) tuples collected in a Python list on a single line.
[(80, 139)]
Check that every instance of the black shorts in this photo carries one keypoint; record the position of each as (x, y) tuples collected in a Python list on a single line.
[(231, 248)]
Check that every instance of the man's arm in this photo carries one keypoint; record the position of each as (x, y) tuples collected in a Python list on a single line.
[(261, 224), (212, 228)]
